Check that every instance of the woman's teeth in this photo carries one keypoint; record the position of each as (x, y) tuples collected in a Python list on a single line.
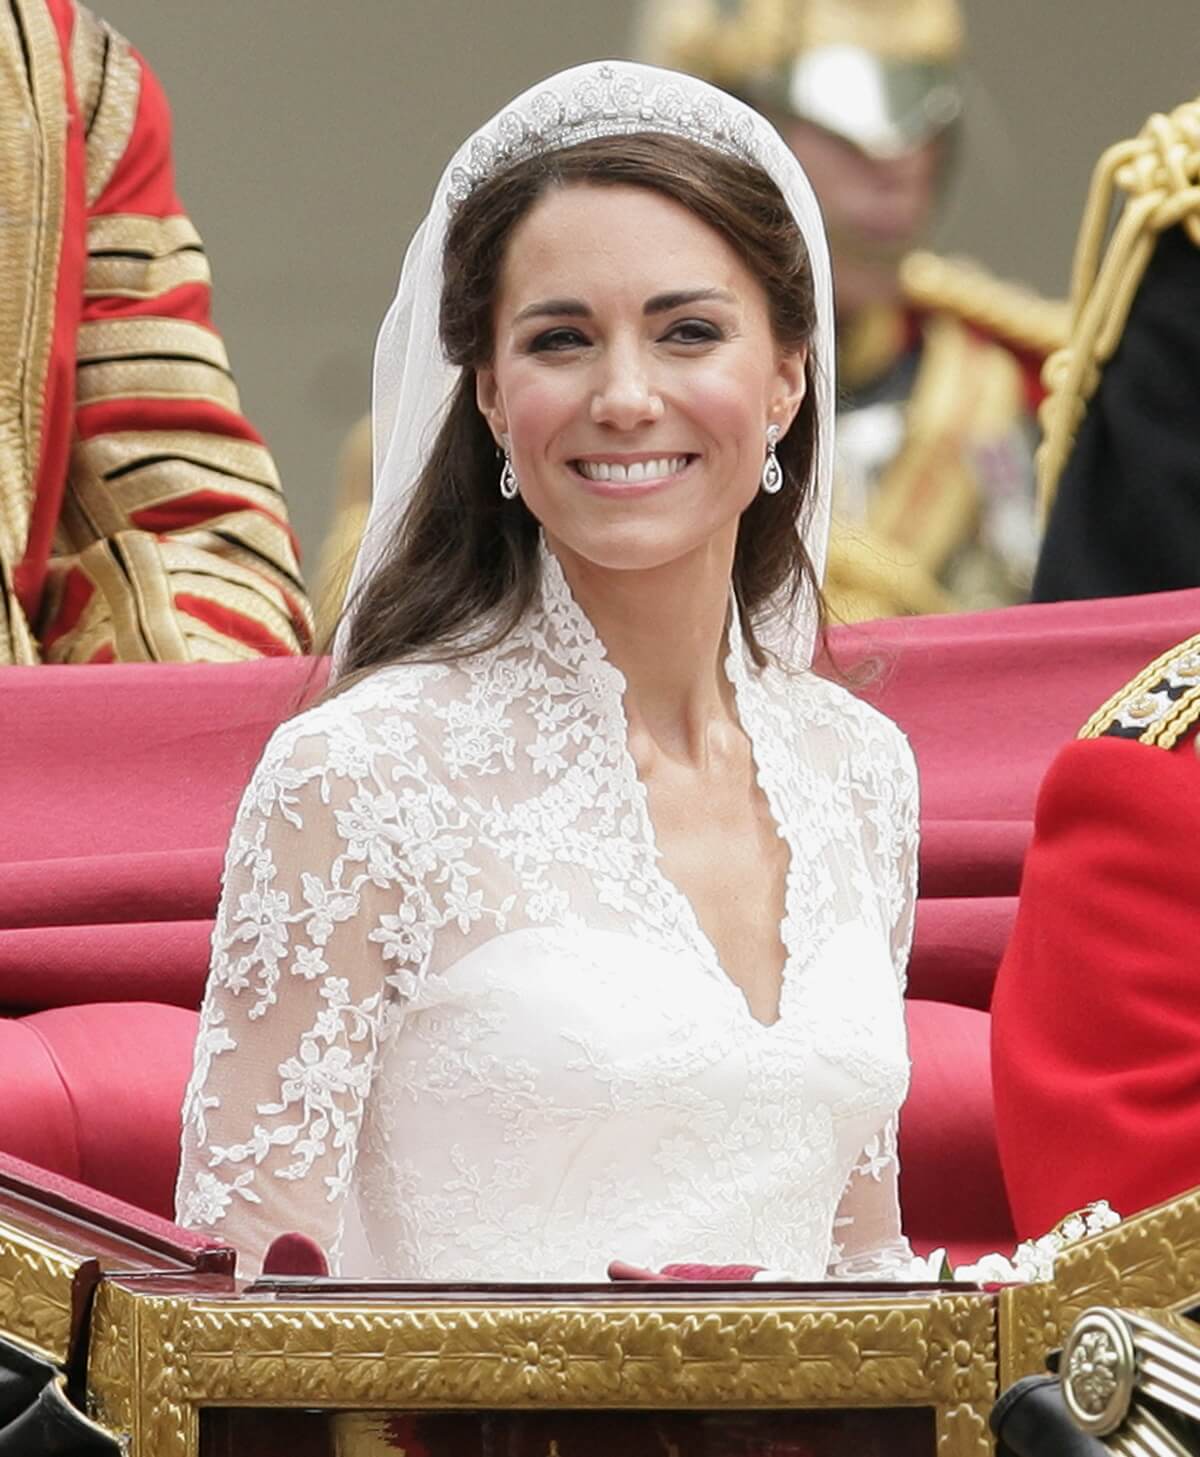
[(640, 470)]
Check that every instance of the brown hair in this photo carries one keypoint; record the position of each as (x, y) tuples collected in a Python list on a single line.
[(462, 566)]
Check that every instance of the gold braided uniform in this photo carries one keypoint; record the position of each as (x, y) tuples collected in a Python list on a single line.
[(141, 516)]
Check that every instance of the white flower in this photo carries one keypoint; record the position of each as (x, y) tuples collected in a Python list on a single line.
[(210, 1197), (309, 963), (1100, 1215), (328, 906), (991, 1269), (546, 754), (404, 937), (464, 906), (933, 1266), (1034, 1259)]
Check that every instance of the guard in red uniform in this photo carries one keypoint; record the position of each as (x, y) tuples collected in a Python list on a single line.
[(140, 514), (1096, 1011)]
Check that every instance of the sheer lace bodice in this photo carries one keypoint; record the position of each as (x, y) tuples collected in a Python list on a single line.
[(459, 1025)]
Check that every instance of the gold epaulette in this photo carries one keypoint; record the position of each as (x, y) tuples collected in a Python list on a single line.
[(1159, 705), (1009, 311), (1159, 173)]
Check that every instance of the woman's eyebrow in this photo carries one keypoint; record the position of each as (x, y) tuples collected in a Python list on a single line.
[(571, 308), (661, 303)]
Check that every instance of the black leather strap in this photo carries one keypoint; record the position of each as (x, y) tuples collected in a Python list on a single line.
[(1031, 1420), (36, 1417)]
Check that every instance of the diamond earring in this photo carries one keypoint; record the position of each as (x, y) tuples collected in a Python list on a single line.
[(772, 471), (509, 485)]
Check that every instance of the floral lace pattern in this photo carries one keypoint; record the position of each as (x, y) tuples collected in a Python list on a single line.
[(460, 1025)]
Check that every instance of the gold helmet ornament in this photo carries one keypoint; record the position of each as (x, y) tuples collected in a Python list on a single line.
[(881, 74)]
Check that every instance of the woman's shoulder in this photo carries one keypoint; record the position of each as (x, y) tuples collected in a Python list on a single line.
[(822, 704), (381, 709)]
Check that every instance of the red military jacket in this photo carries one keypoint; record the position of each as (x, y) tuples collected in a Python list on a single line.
[(1096, 1010), (141, 516)]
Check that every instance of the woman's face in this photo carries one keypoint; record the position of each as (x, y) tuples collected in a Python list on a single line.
[(634, 377)]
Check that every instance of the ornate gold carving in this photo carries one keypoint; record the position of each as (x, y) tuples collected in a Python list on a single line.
[(36, 1284), (1028, 1325), (1151, 1260), (135, 1378), (938, 1352), (112, 1361), (157, 1360)]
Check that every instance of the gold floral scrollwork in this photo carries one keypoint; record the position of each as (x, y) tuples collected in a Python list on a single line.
[(36, 1285), (1151, 1260), (167, 1421), (962, 1366), (1029, 1330), (112, 1373), (591, 1357)]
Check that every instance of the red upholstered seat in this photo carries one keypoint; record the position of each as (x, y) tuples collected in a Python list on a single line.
[(119, 785), (94, 1092)]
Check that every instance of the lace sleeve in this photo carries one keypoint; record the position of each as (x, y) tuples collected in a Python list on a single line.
[(305, 957), (868, 1239), (868, 1242)]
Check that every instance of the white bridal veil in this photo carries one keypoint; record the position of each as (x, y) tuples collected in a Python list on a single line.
[(414, 383)]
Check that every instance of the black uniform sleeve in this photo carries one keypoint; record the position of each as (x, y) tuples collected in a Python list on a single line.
[(1126, 518)]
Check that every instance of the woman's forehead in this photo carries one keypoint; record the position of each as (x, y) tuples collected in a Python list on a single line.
[(606, 235)]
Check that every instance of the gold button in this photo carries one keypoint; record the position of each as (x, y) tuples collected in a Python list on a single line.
[(1142, 708)]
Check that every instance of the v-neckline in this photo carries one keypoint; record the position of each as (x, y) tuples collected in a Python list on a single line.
[(612, 687)]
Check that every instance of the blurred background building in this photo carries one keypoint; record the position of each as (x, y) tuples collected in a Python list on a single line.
[(309, 137)]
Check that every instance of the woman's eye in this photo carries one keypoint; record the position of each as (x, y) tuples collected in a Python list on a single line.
[(556, 339), (694, 331)]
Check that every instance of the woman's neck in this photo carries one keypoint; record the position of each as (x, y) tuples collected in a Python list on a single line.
[(665, 629)]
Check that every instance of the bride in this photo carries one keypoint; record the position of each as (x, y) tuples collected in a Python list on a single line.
[(573, 923)]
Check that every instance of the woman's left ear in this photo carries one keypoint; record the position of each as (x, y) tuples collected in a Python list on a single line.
[(791, 385)]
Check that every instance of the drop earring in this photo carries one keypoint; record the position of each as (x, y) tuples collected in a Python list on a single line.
[(509, 485), (772, 471)]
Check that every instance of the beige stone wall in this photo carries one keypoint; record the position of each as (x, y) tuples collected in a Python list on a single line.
[(310, 134)]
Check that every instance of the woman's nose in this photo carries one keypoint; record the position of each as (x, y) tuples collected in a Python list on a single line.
[(624, 395)]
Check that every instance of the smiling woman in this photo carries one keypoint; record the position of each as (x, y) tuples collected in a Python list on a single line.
[(573, 924), (651, 266)]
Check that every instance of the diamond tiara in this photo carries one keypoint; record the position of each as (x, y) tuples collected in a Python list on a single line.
[(609, 102)]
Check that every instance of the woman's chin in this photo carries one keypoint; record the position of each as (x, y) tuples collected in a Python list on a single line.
[(637, 546)]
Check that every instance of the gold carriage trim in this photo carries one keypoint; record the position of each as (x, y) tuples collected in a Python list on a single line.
[(1159, 705), (36, 1292), (1007, 310), (936, 1351), (1159, 173)]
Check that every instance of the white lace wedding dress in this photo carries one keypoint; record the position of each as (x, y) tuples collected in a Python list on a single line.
[(460, 1026)]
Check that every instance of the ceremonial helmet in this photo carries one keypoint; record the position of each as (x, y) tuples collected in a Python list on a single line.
[(881, 74)]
